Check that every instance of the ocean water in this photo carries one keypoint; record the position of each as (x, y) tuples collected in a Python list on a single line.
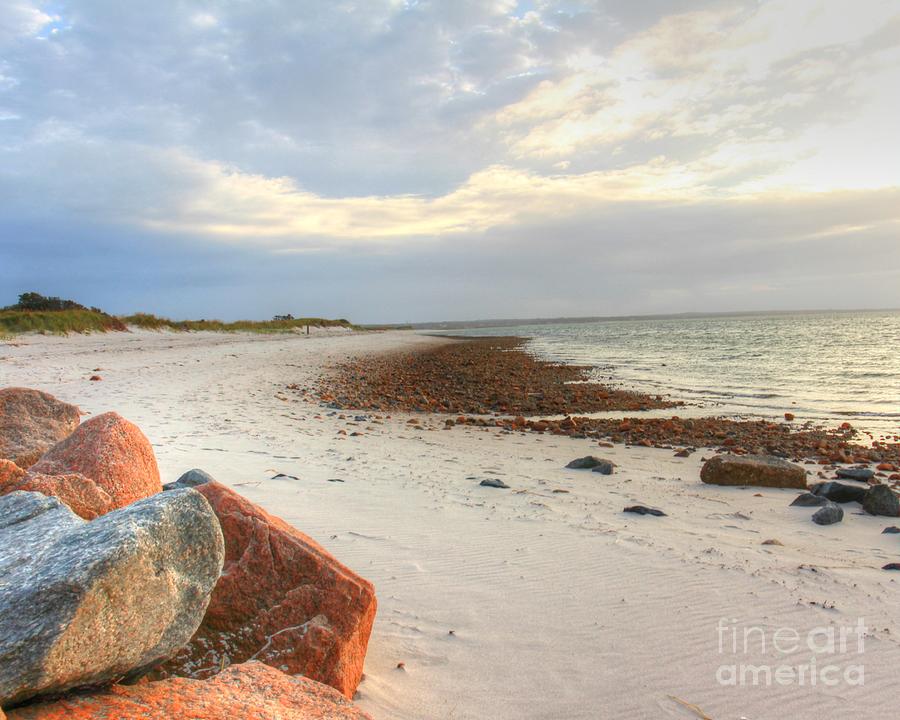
[(824, 367)]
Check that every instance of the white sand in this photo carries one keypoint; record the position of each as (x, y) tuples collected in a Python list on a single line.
[(561, 606)]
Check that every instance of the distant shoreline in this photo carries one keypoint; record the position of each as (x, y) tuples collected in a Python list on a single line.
[(516, 322)]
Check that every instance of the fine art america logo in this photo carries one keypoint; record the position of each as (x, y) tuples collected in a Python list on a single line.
[(830, 655)]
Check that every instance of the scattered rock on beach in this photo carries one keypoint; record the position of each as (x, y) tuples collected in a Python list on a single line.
[(82, 495), (589, 462), (604, 467), (756, 470), (839, 492), (282, 599), (881, 500), (84, 603), (644, 510), (809, 499), (249, 691), (891, 566), (112, 452), (892, 530), (32, 421), (828, 514), (773, 541), (860, 474), (494, 483)]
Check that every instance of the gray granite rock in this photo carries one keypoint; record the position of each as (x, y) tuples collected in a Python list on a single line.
[(86, 603), (828, 514), (881, 500), (808, 499), (588, 462), (494, 483), (839, 492), (851, 473), (192, 478), (604, 467)]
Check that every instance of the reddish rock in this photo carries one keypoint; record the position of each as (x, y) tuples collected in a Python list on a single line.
[(758, 470), (282, 599), (790, 417), (10, 473), (112, 452), (81, 494), (251, 691), (32, 421)]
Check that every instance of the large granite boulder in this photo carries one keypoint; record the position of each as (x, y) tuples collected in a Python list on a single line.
[(251, 691), (756, 470), (10, 473), (81, 494), (282, 599), (112, 452), (32, 421), (881, 500), (85, 603)]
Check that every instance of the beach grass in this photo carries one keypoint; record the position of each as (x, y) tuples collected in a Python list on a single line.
[(65, 322), (147, 321), (57, 322)]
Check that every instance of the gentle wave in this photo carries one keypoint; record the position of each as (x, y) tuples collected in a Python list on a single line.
[(760, 364)]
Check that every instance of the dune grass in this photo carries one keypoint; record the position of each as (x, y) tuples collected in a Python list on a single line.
[(152, 322), (64, 322), (57, 322)]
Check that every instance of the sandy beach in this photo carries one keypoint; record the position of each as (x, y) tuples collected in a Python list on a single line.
[(540, 601)]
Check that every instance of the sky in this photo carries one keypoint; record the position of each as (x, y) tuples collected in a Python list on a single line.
[(404, 160)]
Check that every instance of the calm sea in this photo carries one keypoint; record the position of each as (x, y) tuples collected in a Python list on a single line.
[(824, 367)]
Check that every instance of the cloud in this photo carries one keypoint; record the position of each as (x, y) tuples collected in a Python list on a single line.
[(644, 139)]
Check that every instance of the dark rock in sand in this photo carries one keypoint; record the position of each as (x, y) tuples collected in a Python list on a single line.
[(756, 470), (808, 499), (860, 474), (881, 500), (190, 479), (87, 603), (891, 566), (588, 462), (892, 530), (494, 483), (644, 510), (839, 492), (828, 514), (604, 467)]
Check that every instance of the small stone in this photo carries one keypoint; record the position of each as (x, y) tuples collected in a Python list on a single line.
[(828, 514), (604, 467), (773, 542), (644, 510), (585, 463), (494, 483), (892, 530), (891, 566)]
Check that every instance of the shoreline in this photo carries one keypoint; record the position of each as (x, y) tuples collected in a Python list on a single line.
[(560, 604)]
